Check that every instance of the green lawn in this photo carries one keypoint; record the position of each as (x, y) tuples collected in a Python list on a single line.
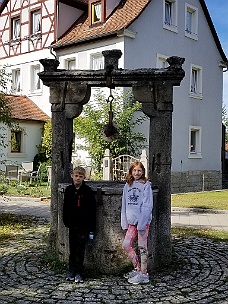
[(13, 188), (207, 200)]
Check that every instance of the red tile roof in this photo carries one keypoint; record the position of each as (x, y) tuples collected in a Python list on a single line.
[(125, 13), (121, 18), (23, 108)]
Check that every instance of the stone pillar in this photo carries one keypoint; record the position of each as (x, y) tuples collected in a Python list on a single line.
[(144, 161), (157, 104), (67, 99), (107, 165)]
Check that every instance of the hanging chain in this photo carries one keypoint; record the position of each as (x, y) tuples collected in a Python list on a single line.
[(110, 99)]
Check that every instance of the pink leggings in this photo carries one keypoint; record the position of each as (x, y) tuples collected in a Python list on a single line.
[(142, 245)]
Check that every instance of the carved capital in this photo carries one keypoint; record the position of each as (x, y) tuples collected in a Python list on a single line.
[(73, 110), (111, 58), (50, 65), (69, 93)]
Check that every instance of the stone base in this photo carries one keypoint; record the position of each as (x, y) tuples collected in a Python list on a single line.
[(107, 255), (196, 181)]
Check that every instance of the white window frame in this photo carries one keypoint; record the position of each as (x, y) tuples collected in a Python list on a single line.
[(161, 62), (97, 61), (35, 80), (170, 24), (191, 26), (16, 28), (195, 143), (16, 80), (70, 63), (196, 86), (22, 152), (36, 22)]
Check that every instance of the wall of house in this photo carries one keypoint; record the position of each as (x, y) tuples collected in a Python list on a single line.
[(25, 53), (188, 111), (27, 42), (25, 63), (31, 138)]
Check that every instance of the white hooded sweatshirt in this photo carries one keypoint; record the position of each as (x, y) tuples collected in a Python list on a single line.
[(137, 205)]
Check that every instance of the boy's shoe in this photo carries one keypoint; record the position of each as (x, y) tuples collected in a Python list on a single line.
[(78, 278), (70, 276), (130, 274), (140, 278)]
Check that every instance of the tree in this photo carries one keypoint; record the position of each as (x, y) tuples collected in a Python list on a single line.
[(5, 111), (89, 126), (6, 119), (46, 145)]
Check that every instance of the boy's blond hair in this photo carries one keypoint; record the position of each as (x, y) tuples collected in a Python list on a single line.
[(79, 170)]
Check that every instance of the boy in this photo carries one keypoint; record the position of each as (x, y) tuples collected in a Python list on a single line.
[(79, 215)]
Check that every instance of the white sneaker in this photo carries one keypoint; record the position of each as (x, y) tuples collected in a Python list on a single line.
[(78, 278), (130, 274), (140, 278)]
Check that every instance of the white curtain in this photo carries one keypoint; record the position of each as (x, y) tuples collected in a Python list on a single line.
[(189, 22), (36, 22), (16, 30), (168, 13), (194, 81), (97, 9)]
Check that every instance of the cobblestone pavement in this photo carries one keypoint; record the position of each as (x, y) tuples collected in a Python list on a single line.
[(200, 275)]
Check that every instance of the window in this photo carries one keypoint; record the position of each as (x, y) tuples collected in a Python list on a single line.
[(70, 64), (191, 22), (96, 11), (36, 19), (16, 81), (195, 142), (161, 62), (35, 80), (170, 15), (16, 142), (196, 82), (97, 61), (15, 33)]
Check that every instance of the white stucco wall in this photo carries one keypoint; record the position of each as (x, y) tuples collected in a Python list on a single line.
[(25, 62), (187, 111), (31, 139)]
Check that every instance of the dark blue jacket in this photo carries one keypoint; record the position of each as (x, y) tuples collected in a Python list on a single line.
[(79, 208)]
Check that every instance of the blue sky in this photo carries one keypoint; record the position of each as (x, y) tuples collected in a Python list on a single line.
[(218, 10)]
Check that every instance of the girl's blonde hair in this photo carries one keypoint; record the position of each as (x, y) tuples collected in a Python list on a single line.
[(130, 178)]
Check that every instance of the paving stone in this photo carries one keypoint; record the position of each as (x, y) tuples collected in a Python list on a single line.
[(200, 276)]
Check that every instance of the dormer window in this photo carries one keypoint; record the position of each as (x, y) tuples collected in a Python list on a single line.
[(96, 11)]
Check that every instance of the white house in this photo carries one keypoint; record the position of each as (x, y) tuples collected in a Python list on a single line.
[(22, 141), (147, 32)]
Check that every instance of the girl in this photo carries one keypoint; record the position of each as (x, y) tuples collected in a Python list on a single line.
[(136, 215)]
